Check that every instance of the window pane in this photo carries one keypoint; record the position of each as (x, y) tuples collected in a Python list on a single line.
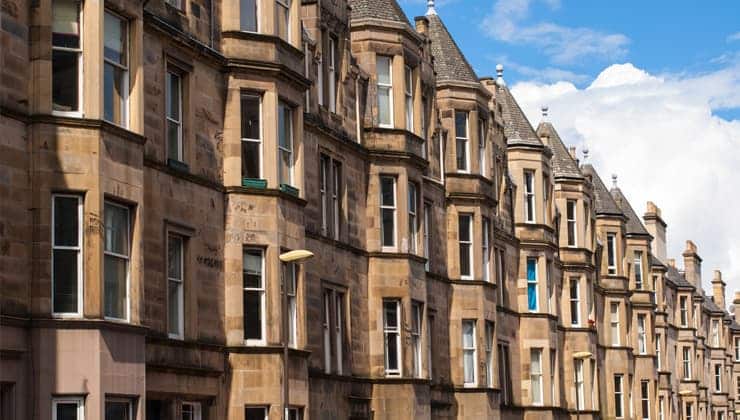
[(461, 124), (174, 257), (65, 280), (116, 229), (465, 260), (250, 117), (285, 120), (173, 140), (65, 80), (252, 315), (114, 94), (66, 23), (392, 349), (66, 411), (388, 227), (254, 413), (116, 410), (252, 268), (115, 39), (66, 221), (469, 363), (468, 339), (391, 311), (248, 15), (462, 154), (286, 162), (173, 105), (464, 222), (387, 191), (384, 70), (115, 287), (174, 295), (250, 159), (384, 106)]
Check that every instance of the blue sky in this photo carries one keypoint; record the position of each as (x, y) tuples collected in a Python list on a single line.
[(650, 88)]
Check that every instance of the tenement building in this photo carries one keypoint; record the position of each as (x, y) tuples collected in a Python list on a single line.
[(165, 165)]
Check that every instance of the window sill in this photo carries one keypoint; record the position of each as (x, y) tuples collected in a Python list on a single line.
[(178, 165), (256, 183), (70, 114)]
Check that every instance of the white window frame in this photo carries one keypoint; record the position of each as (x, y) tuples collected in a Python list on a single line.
[(195, 407), (530, 205), (336, 196), (486, 250), (125, 68), (261, 130), (614, 321), (289, 270), (571, 208), (80, 401), (686, 361), (256, 17), (575, 300), (645, 399), (611, 253), (737, 350), (390, 331), (472, 351), (715, 333), (482, 146), (339, 330), (467, 244), (262, 292), (717, 378), (324, 170), (535, 376), (417, 317), (427, 234), (641, 334), (490, 333), (388, 207), (126, 258), (689, 411), (169, 75), (332, 75), (79, 249), (639, 284), (413, 207), (80, 67), (463, 138), (180, 287), (326, 327), (386, 87), (579, 384), (619, 396), (683, 308), (282, 106), (408, 90), (658, 353), (288, 15)]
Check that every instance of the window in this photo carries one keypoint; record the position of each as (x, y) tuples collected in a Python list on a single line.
[(116, 260), (336, 196), (614, 323), (529, 196), (332, 74), (385, 91), (715, 333), (417, 310), (324, 174), (251, 113), (489, 354), (339, 330), (253, 277), (255, 413), (486, 250), (248, 15), (611, 253), (175, 279), (388, 211), (658, 353), (283, 19), (66, 255), (67, 408), (689, 411), (118, 409), (427, 234), (326, 326), (504, 374), (424, 126), (66, 57), (320, 73), (594, 385), (535, 375), (684, 310), (173, 105), (294, 414), (738, 386), (717, 378), (618, 397), (571, 221), (290, 282), (430, 343), (470, 374), (553, 369), (548, 285), (580, 395), (638, 270), (392, 336), (413, 221), (409, 95), (737, 350), (482, 146), (190, 411), (546, 198), (686, 352), (465, 240), (500, 276), (661, 408), (641, 337), (645, 399), (462, 147), (575, 318), (115, 81), (285, 145), (532, 300)]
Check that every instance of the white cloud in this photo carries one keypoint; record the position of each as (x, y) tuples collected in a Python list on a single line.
[(561, 43), (545, 75), (658, 133), (733, 37)]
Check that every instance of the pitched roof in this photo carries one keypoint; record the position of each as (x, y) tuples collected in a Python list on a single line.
[(603, 202), (378, 9), (678, 278), (517, 129), (449, 62), (563, 164), (634, 224), (710, 306)]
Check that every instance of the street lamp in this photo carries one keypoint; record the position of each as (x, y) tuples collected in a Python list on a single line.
[(297, 256), (581, 355)]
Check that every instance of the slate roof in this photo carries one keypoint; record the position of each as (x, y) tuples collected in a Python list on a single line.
[(734, 326), (517, 129), (678, 278), (563, 164), (449, 62), (634, 224), (604, 203), (711, 306), (378, 9)]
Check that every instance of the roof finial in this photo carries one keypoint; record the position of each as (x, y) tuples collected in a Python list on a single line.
[(614, 180), (430, 8), (500, 75), (585, 154), (545, 110)]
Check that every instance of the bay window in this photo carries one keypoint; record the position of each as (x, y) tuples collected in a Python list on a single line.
[(469, 353), (285, 143), (290, 284), (580, 394), (388, 212), (417, 315), (248, 15), (532, 298), (116, 261), (465, 244), (638, 270), (251, 136), (717, 378), (535, 375), (412, 216), (645, 399), (641, 335), (115, 72), (66, 57), (462, 141), (611, 253), (482, 146), (614, 323), (385, 91), (392, 336), (575, 304), (486, 249), (253, 278), (489, 353), (409, 95), (618, 396), (332, 64), (66, 260), (571, 221), (529, 202), (683, 310), (686, 353)]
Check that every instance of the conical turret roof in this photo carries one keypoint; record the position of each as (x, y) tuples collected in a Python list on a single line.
[(449, 62), (378, 9), (563, 164)]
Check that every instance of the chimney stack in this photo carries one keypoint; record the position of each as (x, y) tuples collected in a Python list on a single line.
[(671, 262), (422, 24), (718, 289), (655, 224), (692, 265)]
